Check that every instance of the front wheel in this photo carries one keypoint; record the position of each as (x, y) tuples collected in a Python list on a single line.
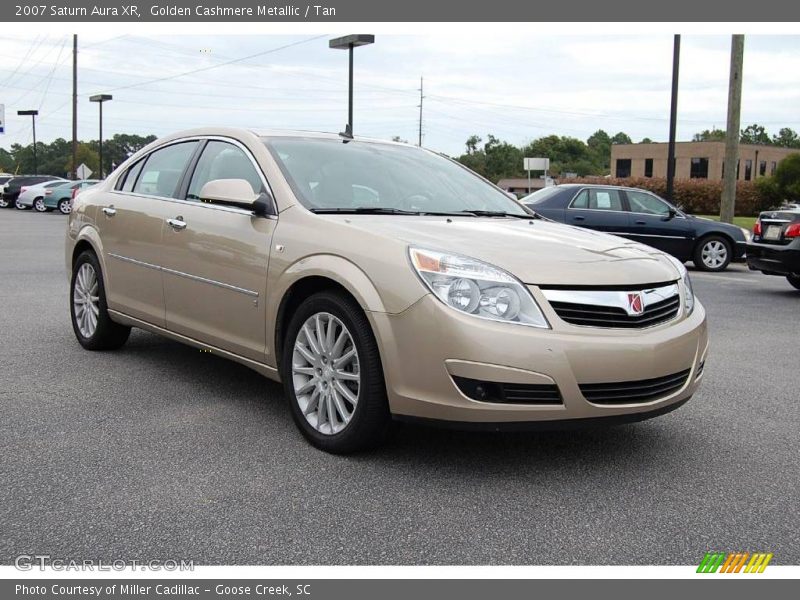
[(64, 207), (4, 203), (332, 373), (19, 205), (712, 253), (794, 280), (90, 320), (39, 205)]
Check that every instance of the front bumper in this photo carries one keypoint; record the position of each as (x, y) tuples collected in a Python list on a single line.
[(424, 347), (774, 259)]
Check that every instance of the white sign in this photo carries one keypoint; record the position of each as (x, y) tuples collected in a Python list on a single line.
[(83, 172), (536, 164), (2, 118)]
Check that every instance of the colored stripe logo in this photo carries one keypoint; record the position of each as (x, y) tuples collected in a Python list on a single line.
[(735, 562)]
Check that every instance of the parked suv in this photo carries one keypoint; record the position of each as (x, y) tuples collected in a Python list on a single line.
[(16, 185), (379, 280), (775, 249)]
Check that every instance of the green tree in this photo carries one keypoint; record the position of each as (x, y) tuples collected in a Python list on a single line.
[(646, 140), (786, 138), (754, 134), (84, 155), (621, 138), (709, 135), (784, 184)]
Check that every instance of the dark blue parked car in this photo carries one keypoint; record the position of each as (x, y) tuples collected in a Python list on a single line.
[(642, 216)]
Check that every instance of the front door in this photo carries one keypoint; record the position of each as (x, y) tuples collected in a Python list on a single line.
[(215, 259), (652, 223)]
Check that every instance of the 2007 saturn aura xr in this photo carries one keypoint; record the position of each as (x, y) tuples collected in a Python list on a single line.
[(379, 280)]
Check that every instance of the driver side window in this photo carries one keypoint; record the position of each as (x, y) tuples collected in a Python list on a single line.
[(221, 160), (646, 203)]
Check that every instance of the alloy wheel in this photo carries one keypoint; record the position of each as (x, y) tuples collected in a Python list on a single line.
[(86, 300), (19, 205), (325, 373), (39, 205), (64, 207), (714, 254), (3, 202)]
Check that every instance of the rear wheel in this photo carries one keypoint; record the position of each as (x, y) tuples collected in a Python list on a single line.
[(712, 253), (39, 205), (794, 280), (90, 320), (4, 203), (333, 376), (64, 207)]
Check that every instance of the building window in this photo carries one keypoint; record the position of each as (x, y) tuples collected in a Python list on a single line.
[(648, 167), (762, 168), (699, 168), (772, 167), (748, 169), (623, 167)]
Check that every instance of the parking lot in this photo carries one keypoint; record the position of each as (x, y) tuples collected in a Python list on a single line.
[(160, 451)]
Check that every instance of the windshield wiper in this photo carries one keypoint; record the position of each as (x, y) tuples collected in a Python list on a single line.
[(364, 210), (498, 213)]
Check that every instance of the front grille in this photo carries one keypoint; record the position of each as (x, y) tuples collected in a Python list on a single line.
[(508, 393), (591, 315), (634, 392)]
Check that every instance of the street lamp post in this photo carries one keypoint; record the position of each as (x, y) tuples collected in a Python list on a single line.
[(100, 98), (32, 114), (349, 42)]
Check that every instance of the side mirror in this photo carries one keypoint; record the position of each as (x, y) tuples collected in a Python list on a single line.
[(671, 214), (235, 192)]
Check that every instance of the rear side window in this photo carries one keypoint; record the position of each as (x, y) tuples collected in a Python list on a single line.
[(598, 199), (163, 169), (129, 177)]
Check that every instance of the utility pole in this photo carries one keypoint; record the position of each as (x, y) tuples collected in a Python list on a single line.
[(728, 201), (421, 97), (673, 118), (74, 106)]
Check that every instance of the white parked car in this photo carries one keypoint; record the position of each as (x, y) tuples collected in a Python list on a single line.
[(34, 195)]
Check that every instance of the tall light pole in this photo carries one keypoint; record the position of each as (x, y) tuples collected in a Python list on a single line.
[(100, 98), (673, 118), (349, 42), (32, 114)]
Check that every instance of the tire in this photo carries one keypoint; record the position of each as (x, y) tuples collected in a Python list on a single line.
[(794, 280), (19, 206), (38, 205), (5, 203), (105, 334), (713, 253), (369, 416), (64, 207)]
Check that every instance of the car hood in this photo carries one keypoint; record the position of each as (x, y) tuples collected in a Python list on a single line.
[(538, 252)]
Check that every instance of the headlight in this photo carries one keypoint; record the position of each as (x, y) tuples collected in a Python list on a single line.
[(746, 233), (688, 292), (476, 288)]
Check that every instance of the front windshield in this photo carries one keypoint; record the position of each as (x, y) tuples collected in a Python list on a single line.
[(328, 174)]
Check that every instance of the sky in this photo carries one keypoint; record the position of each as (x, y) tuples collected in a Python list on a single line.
[(515, 86)]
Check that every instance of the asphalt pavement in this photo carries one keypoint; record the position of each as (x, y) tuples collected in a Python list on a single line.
[(159, 451)]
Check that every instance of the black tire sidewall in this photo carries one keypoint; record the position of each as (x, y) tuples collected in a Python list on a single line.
[(698, 253), (370, 419), (36, 206), (60, 203), (794, 281)]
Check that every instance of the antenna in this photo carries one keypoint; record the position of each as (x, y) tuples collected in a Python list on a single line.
[(347, 134)]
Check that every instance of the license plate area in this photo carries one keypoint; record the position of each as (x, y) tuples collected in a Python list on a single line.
[(773, 232)]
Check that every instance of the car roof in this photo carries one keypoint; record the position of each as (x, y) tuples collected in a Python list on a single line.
[(267, 133), (601, 185)]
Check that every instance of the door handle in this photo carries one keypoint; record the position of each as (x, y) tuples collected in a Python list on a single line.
[(578, 218), (641, 222), (110, 211), (177, 223)]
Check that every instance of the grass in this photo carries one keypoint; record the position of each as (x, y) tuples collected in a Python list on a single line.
[(746, 222)]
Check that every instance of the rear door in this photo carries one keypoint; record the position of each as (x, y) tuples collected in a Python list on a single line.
[(215, 258), (131, 221), (600, 209), (652, 223)]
